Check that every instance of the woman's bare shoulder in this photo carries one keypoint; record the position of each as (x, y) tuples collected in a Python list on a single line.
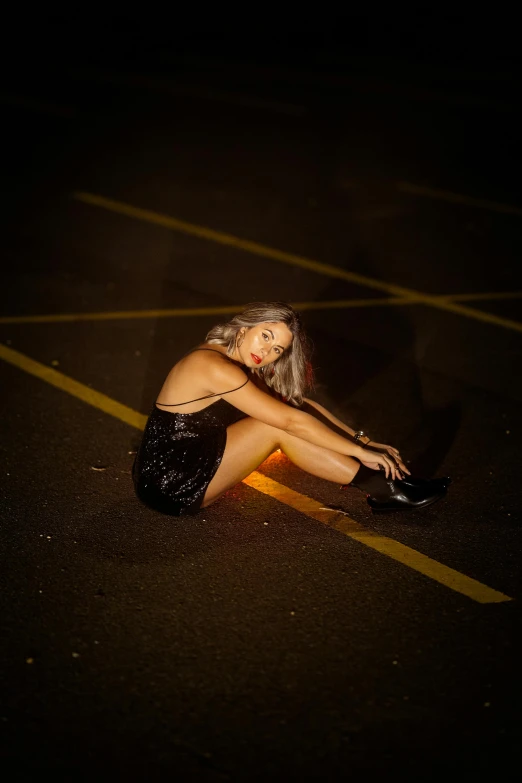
[(214, 364)]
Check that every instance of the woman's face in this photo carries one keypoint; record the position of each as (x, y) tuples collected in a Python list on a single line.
[(263, 344)]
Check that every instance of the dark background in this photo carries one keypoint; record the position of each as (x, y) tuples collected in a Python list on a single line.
[(251, 642)]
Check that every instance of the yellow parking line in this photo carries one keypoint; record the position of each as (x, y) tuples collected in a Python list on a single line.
[(486, 296), (202, 232), (188, 312), (191, 312), (338, 521), (457, 198), (76, 389), (386, 546), (181, 312), (294, 260)]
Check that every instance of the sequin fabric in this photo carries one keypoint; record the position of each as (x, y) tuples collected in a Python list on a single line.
[(179, 454)]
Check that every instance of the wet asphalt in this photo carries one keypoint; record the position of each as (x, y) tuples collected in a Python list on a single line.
[(251, 642)]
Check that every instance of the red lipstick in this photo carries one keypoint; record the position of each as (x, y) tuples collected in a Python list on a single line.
[(255, 358)]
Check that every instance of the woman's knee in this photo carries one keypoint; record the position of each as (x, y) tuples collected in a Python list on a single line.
[(249, 441), (272, 437)]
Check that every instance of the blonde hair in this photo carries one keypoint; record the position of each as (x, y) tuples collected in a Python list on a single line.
[(291, 374)]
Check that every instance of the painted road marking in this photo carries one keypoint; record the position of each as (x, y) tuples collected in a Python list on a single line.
[(76, 389), (335, 519), (485, 296), (264, 251), (386, 546), (191, 312), (456, 198), (188, 312), (202, 232)]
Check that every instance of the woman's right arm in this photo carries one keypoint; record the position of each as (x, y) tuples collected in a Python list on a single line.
[(259, 405)]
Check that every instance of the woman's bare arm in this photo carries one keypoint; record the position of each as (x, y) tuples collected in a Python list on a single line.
[(330, 416), (259, 405), (370, 444)]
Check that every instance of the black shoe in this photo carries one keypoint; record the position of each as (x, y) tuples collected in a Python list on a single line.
[(402, 497), (395, 495)]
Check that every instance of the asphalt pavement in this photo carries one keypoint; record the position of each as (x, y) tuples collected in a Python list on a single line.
[(147, 197)]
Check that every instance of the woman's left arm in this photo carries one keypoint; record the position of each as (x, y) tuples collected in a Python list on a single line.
[(334, 420), (364, 441)]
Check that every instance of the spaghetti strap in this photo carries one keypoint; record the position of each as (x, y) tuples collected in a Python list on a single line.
[(207, 396)]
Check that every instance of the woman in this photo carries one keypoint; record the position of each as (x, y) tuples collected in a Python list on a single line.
[(238, 397)]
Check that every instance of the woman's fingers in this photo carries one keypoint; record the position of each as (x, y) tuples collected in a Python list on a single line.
[(402, 466), (388, 466), (388, 463), (395, 469), (395, 455), (382, 462)]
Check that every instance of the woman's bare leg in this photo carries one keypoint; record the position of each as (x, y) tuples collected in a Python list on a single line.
[(250, 442)]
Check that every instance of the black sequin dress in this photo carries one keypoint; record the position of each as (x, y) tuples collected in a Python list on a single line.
[(180, 453)]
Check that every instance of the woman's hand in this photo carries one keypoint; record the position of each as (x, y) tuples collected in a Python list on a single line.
[(383, 457), (392, 452)]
